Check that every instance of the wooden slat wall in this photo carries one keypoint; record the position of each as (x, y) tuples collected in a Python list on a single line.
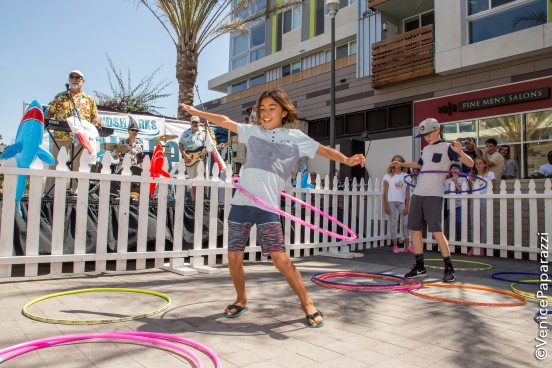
[(402, 58)]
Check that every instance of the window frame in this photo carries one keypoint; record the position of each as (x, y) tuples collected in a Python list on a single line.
[(491, 12), (293, 11), (419, 18)]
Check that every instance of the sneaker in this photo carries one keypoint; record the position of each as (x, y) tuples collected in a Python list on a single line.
[(409, 250), (396, 249), (449, 275), (416, 271)]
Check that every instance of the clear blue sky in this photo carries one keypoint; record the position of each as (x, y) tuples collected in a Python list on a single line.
[(41, 41)]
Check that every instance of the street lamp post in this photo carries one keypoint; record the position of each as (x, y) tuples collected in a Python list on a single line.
[(333, 8)]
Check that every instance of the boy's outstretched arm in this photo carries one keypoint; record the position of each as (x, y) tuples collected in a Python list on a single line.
[(335, 155), (222, 121)]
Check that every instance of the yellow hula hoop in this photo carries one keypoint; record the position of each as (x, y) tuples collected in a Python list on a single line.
[(94, 321), (528, 295), (521, 299), (485, 268)]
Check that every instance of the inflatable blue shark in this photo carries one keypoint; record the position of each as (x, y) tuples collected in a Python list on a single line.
[(27, 146)]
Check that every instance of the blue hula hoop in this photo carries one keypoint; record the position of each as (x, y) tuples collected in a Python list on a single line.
[(449, 172), (495, 276)]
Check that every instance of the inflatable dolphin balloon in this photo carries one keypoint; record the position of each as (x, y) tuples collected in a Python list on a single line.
[(27, 146)]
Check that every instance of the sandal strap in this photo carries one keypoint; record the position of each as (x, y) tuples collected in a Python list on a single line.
[(236, 307), (314, 315)]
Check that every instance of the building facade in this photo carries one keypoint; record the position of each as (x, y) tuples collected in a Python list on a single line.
[(481, 67)]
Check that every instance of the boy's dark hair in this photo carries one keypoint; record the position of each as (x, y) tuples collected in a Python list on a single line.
[(283, 100), (492, 141)]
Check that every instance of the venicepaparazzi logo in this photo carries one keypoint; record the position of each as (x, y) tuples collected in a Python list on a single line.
[(541, 351)]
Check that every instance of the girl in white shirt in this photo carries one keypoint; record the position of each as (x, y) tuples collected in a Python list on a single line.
[(481, 169), (396, 197)]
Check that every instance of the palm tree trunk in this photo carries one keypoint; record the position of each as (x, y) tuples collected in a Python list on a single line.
[(186, 75)]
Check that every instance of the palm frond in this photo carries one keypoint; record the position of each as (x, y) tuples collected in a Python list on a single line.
[(125, 98)]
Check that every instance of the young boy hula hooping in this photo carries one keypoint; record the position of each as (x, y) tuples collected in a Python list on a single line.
[(272, 153), (426, 204)]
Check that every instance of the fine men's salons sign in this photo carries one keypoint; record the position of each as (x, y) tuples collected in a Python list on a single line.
[(504, 99)]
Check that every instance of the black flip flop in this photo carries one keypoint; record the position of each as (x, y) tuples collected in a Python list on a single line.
[(312, 317), (237, 313)]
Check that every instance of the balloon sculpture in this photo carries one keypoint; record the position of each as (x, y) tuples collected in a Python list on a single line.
[(211, 147), (156, 168), (27, 146), (305, 178)]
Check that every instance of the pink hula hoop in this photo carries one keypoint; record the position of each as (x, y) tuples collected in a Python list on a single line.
[(267, 205), (148, 337)]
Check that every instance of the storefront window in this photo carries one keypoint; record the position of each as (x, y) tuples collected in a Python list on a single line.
[(505, 129), (538, 126), (536, 156), (459, 130), (529, 136)]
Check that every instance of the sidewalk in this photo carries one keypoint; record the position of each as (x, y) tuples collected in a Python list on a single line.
[(393, 329)]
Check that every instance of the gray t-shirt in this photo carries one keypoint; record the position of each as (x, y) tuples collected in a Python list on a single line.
[(437, 156), (271, 158)]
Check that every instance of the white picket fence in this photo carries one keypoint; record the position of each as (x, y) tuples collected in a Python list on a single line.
[(359, 206)]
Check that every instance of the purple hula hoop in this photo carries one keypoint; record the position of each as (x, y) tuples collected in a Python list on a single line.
[(449, 172), (263, 203), (149, 337), (403, 285)]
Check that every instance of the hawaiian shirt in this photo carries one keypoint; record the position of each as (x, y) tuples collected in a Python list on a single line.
[(135, 149), (192, 140), (61, 107)]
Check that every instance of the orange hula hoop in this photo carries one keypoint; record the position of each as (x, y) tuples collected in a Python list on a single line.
[(521, 298)]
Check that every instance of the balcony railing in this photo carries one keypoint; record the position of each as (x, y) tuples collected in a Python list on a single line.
[(404, 57)]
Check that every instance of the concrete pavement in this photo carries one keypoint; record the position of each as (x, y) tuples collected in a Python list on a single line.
[(393, 329)]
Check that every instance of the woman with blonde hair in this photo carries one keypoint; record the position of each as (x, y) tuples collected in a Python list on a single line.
[(396, 199)]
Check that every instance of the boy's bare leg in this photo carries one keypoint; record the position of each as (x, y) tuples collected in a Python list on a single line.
[(443, 243), (237, 273), (292, 275), (417, 241)]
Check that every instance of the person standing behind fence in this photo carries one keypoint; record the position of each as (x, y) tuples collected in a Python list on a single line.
[(62, 108), (457, 181), (494, 159), (472, 151), (510, 170), (481, 169), (192, 143), (396, 198), (273, 151), (426, 204), (546, 169)]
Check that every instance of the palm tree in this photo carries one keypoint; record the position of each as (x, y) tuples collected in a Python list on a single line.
[(194, 24)]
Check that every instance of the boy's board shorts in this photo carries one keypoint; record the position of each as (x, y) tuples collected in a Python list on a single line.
[(269, 229)]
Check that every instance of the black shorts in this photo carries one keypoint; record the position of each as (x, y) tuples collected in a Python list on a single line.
[(428, 209)]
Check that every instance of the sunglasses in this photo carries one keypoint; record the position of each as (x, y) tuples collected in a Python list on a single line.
[(134, 130), (77, 77)]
